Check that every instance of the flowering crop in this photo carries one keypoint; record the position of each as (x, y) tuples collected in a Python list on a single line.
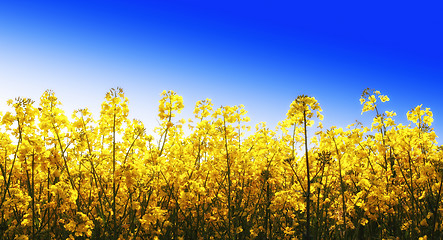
[(80, 178)]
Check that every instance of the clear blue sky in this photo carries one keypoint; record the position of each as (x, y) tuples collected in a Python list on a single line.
[(261, 54)]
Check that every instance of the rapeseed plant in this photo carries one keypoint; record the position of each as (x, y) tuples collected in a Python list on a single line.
[(82, 178)]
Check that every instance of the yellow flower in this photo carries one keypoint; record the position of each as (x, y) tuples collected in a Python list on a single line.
[(384, 98), (22, 237)]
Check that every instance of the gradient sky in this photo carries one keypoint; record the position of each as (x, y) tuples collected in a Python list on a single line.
[(262, 54)]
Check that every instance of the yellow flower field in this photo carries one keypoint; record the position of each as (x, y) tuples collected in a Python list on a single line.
[(106, 178)]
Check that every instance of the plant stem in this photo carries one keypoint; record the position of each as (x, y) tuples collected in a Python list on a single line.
[(308, 191), (229, 179), (113, 179)]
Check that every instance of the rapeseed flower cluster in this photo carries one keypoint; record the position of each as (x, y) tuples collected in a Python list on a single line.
[(86, 178)]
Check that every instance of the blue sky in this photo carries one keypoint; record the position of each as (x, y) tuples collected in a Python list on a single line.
[(262, 54)]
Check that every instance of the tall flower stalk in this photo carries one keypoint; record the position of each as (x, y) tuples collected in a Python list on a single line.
[(301, 111)]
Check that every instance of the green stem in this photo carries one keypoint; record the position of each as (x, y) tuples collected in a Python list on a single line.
[(113, 178), (229, 179), (308, 191)]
